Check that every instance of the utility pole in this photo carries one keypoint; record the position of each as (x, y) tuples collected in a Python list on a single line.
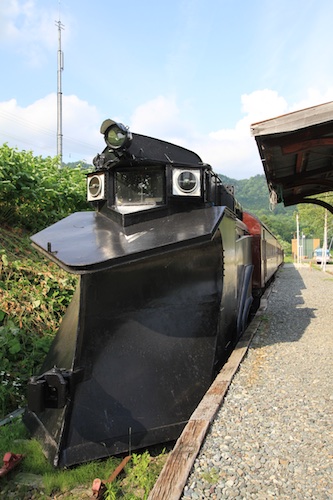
[(324, 248), (298, 244), (59, 93)]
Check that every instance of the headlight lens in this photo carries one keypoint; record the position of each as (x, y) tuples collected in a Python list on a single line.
[(186, 182), (116, 135), (96, 187)]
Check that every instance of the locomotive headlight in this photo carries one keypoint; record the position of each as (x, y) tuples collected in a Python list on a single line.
[(186, 182), (116, 135), (96, 187)]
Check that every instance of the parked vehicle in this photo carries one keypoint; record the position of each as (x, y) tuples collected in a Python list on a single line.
[(318, 256)]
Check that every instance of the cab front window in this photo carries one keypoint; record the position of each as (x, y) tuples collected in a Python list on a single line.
[(136, 190)]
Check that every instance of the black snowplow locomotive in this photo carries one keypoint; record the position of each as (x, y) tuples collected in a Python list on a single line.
[(165, 283)]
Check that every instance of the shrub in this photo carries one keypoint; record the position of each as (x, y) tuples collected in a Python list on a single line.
[(35, 192), (34, 294)]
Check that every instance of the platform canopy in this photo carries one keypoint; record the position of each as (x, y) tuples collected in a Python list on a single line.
[(297, 154)]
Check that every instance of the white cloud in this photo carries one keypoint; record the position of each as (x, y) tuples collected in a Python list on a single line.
[(263, 104), (160, 117), (231, 151), (313, 97), (35, 127)]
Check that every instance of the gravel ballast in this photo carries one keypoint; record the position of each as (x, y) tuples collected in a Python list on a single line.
[(273, 435)]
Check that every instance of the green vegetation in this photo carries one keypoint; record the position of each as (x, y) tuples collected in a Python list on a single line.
[(211, 477), (35, 192), (141, 475), (312, 219), (34, 293), (137, 480), (253, 194), (34, 296)]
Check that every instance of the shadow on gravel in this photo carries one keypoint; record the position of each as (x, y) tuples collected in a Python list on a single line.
[(286, 317)]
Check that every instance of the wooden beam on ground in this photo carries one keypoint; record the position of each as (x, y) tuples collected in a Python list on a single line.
[(173, 477)]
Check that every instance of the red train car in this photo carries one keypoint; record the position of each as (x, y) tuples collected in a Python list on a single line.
[(267, 253)]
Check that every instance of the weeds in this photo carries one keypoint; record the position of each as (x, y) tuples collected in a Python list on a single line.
[(66, 480), (34, 295), (141, 471), (211, 476), (141, 474)]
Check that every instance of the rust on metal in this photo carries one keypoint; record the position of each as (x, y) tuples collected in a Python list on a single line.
[(10, 460), (99, 487)]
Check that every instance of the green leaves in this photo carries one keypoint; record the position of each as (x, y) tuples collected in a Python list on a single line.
[(35, 192), (4, 259), (34, 294), (311, 219)]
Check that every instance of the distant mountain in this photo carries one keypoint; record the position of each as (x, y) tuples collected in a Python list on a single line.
[(82, 164), (253, 194)]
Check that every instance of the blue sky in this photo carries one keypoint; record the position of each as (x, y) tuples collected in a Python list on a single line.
[(192, 72)]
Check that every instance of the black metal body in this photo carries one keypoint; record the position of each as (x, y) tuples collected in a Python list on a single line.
[(162, 296)]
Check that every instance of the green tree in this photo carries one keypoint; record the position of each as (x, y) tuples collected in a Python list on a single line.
[(312, 217)]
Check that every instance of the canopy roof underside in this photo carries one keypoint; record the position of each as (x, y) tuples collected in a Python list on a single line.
[(297, 154)]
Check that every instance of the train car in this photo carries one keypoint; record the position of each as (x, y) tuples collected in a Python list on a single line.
[(267, 253), (165, 288)]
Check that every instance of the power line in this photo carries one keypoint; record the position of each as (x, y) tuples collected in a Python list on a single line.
[(49, 150), (24, 122), (38, 128)]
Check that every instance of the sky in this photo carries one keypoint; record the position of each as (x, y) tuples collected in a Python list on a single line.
[(191, 72)]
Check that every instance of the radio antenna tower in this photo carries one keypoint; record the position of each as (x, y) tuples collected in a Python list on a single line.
[(59, 91)]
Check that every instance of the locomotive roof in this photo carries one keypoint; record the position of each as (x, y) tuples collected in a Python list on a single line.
[(159, 150), (297, 152), (144, 148)]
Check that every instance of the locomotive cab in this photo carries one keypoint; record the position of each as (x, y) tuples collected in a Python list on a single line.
[(164, 265), (136, 174)]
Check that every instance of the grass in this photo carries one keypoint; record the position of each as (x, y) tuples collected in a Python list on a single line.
[(288, 259), (136, 482)]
